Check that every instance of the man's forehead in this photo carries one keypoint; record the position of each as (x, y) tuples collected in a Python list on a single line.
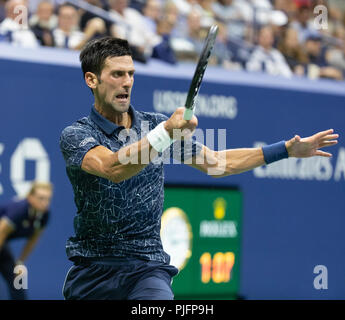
[(43, 190), (122, 62)]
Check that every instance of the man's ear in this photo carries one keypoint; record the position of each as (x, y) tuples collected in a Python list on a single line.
[(91, 80)]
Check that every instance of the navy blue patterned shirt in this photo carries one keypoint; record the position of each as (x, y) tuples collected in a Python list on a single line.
[(116, 219)]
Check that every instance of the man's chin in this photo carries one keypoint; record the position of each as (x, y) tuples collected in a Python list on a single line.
[(121, 107)]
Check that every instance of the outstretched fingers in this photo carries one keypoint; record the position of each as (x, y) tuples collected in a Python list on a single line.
[(323, 153), (329, 137), (327, 143), (322, 134)]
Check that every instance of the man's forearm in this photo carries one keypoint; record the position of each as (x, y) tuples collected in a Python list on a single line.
[(29, 246), (227, 162), (235, 161), (130, 160)]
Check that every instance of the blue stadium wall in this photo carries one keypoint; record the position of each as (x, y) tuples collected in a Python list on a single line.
[(293, 211)]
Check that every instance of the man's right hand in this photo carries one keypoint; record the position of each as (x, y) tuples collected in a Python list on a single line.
[(176, 121)]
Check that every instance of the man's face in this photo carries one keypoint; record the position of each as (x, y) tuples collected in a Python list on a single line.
[(152, 9), (67, 18), (116, 82), (266, 38), (40, 199), (45, 11), (194, 21), (118, 5)]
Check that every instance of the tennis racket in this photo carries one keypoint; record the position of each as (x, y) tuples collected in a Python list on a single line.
[(199, 73)]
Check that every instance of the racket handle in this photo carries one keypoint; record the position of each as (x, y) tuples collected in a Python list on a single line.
[(188, 114)]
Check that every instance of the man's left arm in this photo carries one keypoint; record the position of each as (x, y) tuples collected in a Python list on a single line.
[(234, 161), (29, 246)]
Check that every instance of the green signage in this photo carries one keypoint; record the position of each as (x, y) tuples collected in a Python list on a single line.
[(201, 230)]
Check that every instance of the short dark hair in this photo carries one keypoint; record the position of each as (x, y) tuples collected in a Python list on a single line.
[(95, 52)]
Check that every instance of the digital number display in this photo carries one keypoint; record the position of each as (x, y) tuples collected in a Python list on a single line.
[(218, 269), (211, 233)]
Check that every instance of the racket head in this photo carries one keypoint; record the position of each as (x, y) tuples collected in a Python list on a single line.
[(201, 67)]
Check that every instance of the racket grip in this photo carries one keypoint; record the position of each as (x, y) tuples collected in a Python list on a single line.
[(188, 114)]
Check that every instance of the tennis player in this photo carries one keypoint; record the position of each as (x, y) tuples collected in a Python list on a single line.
[(22, 219), (117, 250)]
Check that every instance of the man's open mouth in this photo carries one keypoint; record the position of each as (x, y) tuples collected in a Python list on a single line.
[(122, 96)]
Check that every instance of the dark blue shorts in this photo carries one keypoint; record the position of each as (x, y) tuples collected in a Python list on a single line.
[(119, 279)]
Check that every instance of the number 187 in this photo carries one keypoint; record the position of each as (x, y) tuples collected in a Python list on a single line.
[(218, 268)]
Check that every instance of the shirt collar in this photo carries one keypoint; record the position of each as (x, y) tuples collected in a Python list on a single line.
[(106, 125)]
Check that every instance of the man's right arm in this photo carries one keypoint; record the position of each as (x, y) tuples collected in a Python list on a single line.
[(121, 165), (130, 160)]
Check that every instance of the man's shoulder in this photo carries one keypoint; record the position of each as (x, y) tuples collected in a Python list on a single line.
[(17, 205), (80, 131), (80, 124)]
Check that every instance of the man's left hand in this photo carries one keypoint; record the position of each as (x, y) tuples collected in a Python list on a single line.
[(310, 146)]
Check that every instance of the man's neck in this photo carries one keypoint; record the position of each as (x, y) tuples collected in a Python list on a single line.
[(120, 119), (267, 49), (67, 32)]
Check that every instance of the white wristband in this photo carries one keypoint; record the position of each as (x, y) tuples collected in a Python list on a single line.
[(159, 138)]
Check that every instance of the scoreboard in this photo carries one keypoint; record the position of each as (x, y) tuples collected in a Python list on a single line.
[(201, 231)]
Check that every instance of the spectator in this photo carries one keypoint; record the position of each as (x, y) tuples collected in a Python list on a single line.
[(86, 16), (132, 27), (303, 25), (288, 7), (189, 42), (335, 16), (225, 11), (152, 12), (172, 13), (335, 56), (67, 35), (43, 22), (207, 13), (318, 66), (95, 28), (293, 52), (229, 13), (14, 28), (222, 54), (185, 6), (137, 4), (163, 50), (267, 59)]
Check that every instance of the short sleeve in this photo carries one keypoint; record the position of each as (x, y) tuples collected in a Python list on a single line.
[(75, 142), (16, 212)]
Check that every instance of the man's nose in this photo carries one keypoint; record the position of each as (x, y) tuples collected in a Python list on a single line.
[(127, 80)]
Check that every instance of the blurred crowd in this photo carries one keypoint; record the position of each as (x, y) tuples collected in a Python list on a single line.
[(304, 38)]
